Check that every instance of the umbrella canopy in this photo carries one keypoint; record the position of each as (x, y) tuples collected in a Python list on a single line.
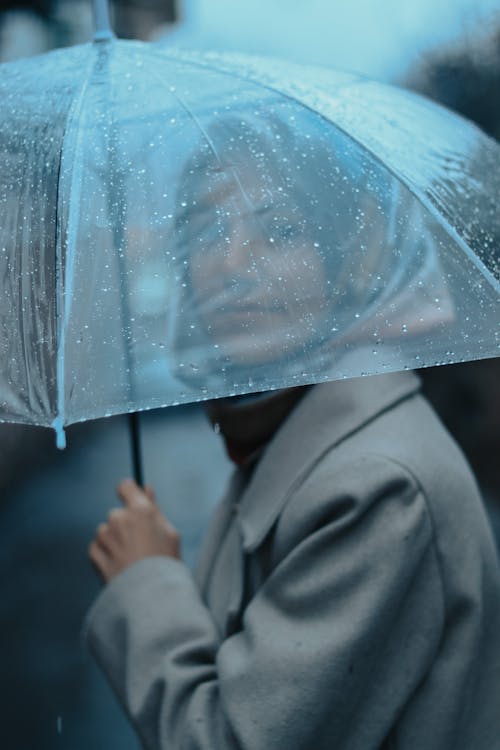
[(177, 227)]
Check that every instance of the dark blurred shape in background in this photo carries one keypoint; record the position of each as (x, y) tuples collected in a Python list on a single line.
[(30, 27), (143, 19), (466, 78), (40, 7)]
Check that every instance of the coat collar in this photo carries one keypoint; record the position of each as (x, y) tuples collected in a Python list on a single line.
[(326, 415)]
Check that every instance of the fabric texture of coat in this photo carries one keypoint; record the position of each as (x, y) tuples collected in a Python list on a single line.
[(347, 596)]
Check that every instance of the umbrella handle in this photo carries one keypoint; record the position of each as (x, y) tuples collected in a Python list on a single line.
[(102, 24), (136, 448)]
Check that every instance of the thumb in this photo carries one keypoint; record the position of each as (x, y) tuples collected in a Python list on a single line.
[(150, 493), (132, 495)]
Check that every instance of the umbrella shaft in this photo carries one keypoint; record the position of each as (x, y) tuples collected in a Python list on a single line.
[(102, 24), (136, 448)]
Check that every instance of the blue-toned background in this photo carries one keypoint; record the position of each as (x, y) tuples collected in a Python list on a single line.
[(51, 694)]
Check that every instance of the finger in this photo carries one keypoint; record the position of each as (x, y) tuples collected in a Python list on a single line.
[(117, 528), (104, 537), (99, 559), (101, 531), (132, 495), (149, 491), (170, 528), (116, 516)]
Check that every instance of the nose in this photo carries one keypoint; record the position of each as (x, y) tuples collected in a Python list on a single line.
[(235, 258), (238, 255)]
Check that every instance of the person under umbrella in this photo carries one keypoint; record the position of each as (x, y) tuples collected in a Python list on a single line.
[(347, 595)]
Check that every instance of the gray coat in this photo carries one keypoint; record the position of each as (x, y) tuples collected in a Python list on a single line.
[(348, 595)]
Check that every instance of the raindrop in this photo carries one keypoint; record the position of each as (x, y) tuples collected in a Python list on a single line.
[(404, 328), (216, 428)]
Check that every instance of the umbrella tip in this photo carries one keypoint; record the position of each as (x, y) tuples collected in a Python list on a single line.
[(58, 427), (102, 25), (103, 36)]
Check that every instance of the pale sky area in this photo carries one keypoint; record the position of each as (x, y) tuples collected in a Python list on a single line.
[(380, 38)]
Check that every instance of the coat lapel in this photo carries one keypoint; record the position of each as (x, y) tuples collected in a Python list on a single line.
[(218, 530), (326, 415)]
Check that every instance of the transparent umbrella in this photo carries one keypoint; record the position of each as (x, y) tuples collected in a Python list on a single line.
[(177, 227)]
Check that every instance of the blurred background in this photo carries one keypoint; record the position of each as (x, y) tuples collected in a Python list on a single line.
[(51, 694)]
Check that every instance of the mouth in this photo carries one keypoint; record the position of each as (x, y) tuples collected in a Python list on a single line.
[(244, 314), (249, 307), (230, 302), (241, 307)]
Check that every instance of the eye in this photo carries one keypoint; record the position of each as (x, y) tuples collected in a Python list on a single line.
[(202, 235), (211, 234), (285, 230)]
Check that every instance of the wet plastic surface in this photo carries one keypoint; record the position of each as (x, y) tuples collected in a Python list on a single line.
[(177, 227)]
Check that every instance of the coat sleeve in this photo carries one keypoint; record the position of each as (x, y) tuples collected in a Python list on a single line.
[(332, 645)]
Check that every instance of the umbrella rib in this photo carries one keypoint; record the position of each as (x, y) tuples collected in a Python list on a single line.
[(212, 147), (419, 197), (209, 141), (64, 287)]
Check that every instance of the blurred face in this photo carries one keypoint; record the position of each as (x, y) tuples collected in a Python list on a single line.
[(257, 280)]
